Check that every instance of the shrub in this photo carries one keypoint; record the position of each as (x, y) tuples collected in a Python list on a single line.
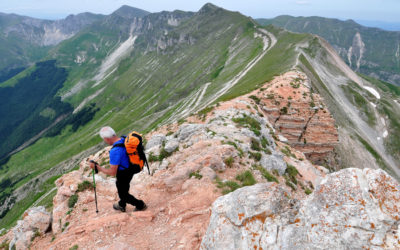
[(231, 185), (232, 144), (180, 121), (74, 247), (291, 172), (255, 145), (270, 96), (229, 161), (196, 174), (246, 178), (35, 235), (66, 224), (307, 191), (227, 186), (5, 244), (255, 155), (290, 184), (256, 131), (266, 174), (152, 157), (264, 142), (72, 200), (203, 113), (286, 150), (84, 185), (247, 121), (255, 98), (236, 146), (163, 154)]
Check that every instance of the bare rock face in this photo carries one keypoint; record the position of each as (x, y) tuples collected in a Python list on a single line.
[(350, 209), (36, 221), (300, 116)]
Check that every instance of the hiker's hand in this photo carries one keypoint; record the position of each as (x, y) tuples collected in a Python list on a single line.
[(92, 164)]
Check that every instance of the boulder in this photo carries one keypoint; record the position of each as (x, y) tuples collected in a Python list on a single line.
[(350, 209), (155, 141), (187, 130), (208, 173), (35, 221), (240, 216), (171, 145), (273, 161)]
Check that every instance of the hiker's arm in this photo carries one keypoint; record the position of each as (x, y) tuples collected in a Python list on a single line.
[(109, 171)]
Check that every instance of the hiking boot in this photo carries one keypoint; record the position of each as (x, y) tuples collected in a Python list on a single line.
[(116, 206), (137, 210)]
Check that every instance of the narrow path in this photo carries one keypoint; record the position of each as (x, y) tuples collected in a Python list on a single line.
[(42, 197)]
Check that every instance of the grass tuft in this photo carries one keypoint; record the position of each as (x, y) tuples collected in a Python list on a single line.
[(84, 185), (229, 161), (266, 174), (196, 174), (72, 200), (246, 178)]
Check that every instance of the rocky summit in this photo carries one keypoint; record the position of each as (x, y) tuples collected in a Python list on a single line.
[(231, 176)]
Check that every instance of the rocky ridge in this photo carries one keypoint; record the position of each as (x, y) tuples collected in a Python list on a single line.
[(301, 116), (223, 149)]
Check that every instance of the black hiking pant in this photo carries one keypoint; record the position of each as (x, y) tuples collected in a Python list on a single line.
[(124, 178)]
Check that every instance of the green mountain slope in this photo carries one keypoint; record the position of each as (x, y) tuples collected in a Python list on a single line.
[(143, 72), (370, 51), (25, 40)]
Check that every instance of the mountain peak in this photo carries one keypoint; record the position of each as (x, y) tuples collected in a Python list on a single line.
[(209, 7), (130, 12)]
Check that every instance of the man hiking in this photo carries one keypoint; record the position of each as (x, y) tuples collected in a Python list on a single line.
[(120, 167)]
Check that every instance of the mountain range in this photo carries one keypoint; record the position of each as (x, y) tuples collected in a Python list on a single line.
[(370, 51), (135, 70)]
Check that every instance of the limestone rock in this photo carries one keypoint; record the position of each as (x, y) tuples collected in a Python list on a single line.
[(208, 173), (35, 221), (171, 145), (273, 161), (350, 209), (239, 217), (155, 141), (186, 130)]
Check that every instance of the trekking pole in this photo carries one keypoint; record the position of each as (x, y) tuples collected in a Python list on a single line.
[(94, 182)]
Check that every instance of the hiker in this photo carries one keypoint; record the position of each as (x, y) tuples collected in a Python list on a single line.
[(120, 167)]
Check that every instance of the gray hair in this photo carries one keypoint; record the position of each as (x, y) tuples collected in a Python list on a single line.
[(107, 132)]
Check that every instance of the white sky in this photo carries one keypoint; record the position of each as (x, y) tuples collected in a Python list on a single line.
[(382, 10)]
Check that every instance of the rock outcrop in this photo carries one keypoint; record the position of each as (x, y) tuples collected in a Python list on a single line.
[(350, 209), (36, 221), (300, 116)]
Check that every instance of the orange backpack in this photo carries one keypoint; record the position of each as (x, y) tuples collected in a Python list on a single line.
[(134, 148)]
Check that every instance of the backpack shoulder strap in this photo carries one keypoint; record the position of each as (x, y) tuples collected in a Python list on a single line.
[(120, 145)]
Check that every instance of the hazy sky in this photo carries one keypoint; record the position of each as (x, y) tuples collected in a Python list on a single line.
[(383, 10)]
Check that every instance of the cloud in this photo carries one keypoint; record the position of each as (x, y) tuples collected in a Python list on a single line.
[(303, 2)]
